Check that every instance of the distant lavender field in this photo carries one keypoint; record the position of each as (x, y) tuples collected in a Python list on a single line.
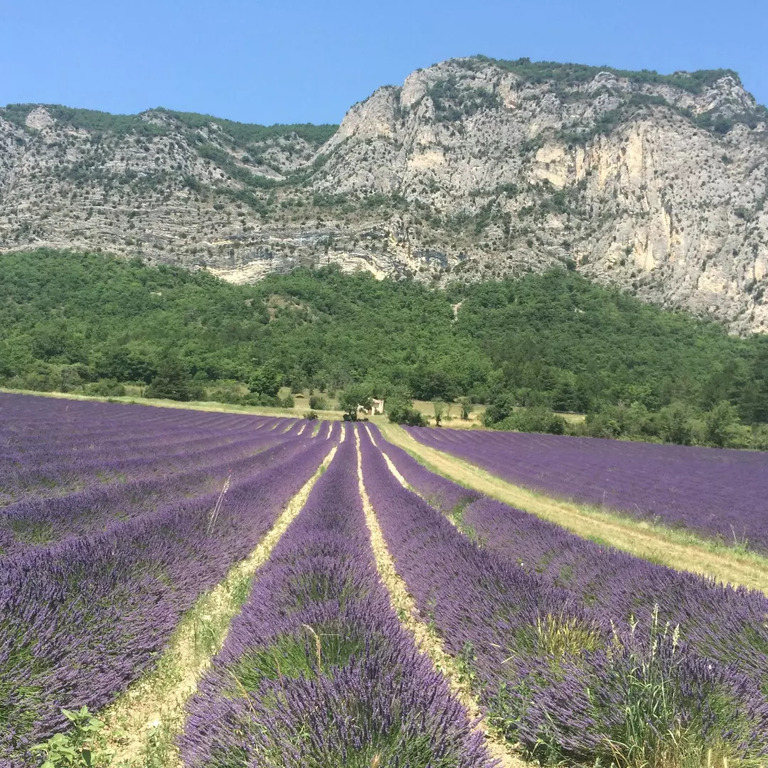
[(717, 492), (114, 519)]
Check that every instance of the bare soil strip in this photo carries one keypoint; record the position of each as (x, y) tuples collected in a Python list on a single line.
[(682, 550), (400, 479), (143, 723), (427, 640)]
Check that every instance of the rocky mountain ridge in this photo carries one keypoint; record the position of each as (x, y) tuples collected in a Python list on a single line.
[(473, 168)]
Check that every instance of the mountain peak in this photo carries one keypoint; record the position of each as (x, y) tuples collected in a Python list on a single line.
[(471, 168)]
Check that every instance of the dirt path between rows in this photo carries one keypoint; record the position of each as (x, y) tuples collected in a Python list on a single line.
[(636, 537), (142, 725), (427, 640)]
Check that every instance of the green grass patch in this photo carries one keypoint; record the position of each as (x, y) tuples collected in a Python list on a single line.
[(309, 652)]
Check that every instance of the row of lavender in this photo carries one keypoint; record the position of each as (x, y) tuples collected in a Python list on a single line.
[(91, 480), (562, 639), (79, 621), (42, 457), (627, 588), (35, 522), (720, 493), (316, 670), (83, 616), (144, 483)]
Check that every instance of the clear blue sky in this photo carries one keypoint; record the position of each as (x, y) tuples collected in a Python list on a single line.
[(268, 61)]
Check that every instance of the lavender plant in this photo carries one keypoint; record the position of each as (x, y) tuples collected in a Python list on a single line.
[(559, 675), (83, 617), (317, 671), (622, 587), (719, 493)]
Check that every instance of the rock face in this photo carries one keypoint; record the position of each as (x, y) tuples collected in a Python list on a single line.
[(473, 168)]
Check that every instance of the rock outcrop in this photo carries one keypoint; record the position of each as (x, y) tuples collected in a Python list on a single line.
[(473, 168)]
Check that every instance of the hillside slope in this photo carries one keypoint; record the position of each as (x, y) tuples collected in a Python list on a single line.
[(473, 168), (68, 320)]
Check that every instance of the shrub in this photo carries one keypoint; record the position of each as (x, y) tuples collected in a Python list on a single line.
[(173, 382), (403, 412), (105, 388), (536, 419), (226, 391)]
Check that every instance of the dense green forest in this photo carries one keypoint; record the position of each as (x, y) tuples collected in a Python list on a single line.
[(92, 323)]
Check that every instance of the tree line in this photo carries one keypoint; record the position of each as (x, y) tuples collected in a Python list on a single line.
[(525, 348)]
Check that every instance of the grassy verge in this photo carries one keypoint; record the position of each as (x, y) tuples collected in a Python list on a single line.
[(679, 549), (142, 725)]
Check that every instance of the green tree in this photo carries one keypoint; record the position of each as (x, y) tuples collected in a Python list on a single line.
[(126, 364), (429, 382), (675, 424), (536, 419), (720, 424), (351, 397), (400, 410), (265, 380), (466, 407), (501, 407), (173, 382)]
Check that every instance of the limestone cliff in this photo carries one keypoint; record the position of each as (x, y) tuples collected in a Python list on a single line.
[(472, 168)]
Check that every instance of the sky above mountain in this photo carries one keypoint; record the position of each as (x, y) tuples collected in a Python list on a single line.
[(300, 61)]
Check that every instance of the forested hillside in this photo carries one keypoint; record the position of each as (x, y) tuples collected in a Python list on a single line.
[(88, 322)]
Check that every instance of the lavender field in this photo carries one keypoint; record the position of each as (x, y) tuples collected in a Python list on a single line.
[(720, 493), (107, 539), (114, 519)]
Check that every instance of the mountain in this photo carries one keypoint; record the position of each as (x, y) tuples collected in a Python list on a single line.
[(473, 168)]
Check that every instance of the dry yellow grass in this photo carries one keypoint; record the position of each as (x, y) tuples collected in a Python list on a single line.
[(681, 550)]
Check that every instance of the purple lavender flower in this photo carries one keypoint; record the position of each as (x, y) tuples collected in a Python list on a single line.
[(565, 675), (316, 670), (720, 493), (85, 615)]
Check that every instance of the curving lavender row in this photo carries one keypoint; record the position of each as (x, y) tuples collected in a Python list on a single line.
[(720, 622), (82, 619), (443, 494), (35, 522), (621, 586), (718, 492), (34, 462), (316, 671), (559, 676), (107, 424)]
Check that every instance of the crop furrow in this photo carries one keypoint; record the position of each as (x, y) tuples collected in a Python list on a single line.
[(317, 671), (560, 677), (81, 620)]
